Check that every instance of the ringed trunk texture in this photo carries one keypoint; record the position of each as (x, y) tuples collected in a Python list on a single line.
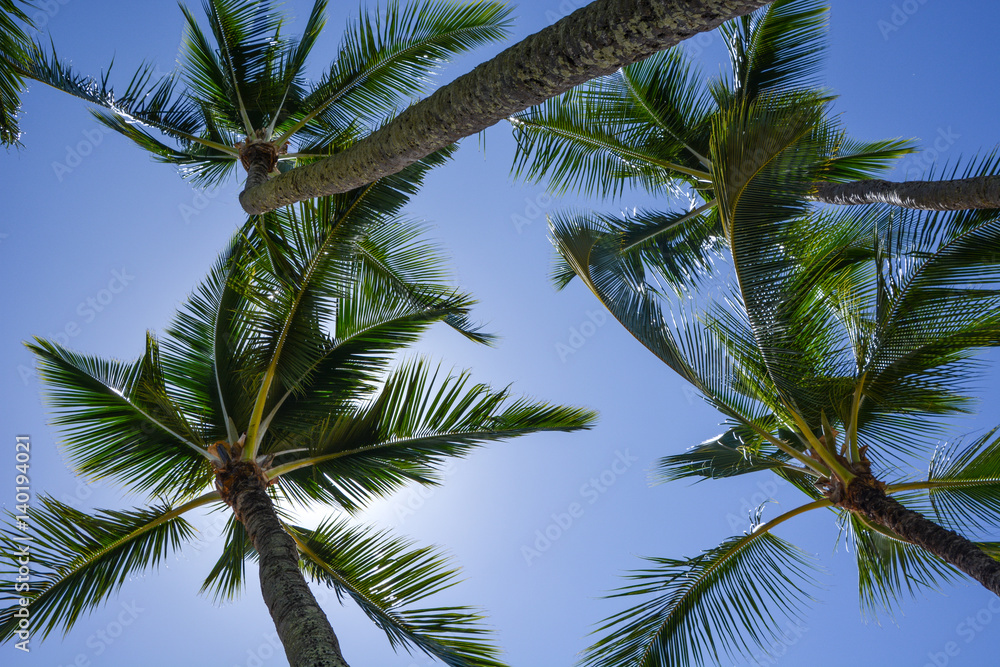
[(302, 626), (591, 42), (955, 195), (866, 495)]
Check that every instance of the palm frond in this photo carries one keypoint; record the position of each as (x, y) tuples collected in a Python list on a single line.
[(738, 451), (118, 421), (84, 557), (15, 53), (225, 581), (720, 604), (406, 432), (889, 567), (962, 491), (387, 577), (776, 49)]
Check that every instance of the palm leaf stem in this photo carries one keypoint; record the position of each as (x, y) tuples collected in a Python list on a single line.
[(691, 214), (824, 451), (781, 518), (278, 471), (851, 437), (940, 484), (256, 428), (622, 152)]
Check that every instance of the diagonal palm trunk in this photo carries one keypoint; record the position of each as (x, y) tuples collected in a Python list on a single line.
[(302, 626), (591, 42), (954, 195), (866, 496)]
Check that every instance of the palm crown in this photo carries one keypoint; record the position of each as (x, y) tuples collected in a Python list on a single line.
[(282, 358), (657, 125), (841, 342), (240, 91)]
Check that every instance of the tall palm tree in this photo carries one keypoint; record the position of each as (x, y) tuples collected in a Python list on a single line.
[(843, 341), (278, 384)]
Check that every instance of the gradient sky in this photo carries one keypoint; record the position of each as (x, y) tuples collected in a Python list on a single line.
[(101, 248)]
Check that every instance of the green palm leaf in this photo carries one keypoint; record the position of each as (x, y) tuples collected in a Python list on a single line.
[(225, 581), (724, 602), (84, 557), (387, 577), (385, 61), (776, 49), (15, 53), (962, 490), (405, 433), (888, 567), (119, 421), (736, 452)]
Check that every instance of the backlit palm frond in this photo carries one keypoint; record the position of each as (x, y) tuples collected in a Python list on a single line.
[(405, 433), (854, 160), (149, 98), (738, 451), (562, 141), (776, 49), (387, 577), (723, 603), (618, 280), (937, 310), (79, 559), (665, 94), (401, 264), (962, 487), (118, 420), (683, 248), (371, 327)]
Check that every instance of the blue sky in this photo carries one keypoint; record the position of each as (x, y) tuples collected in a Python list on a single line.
[(99, 244)]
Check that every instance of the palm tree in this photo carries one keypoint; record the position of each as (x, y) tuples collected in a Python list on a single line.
[(277, 383), (845, 339), (15, 46), (240, 93), (244, 95)]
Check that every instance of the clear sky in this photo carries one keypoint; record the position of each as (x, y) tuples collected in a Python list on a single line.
[(98, 244)]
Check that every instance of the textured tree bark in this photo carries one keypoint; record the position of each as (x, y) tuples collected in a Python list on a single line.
[(955, 195), (302, 626), (866, 496), (593, 41)]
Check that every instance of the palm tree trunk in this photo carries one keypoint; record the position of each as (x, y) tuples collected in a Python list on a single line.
[(866, 496), (302, 626), (954, 195), (591, 42)]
